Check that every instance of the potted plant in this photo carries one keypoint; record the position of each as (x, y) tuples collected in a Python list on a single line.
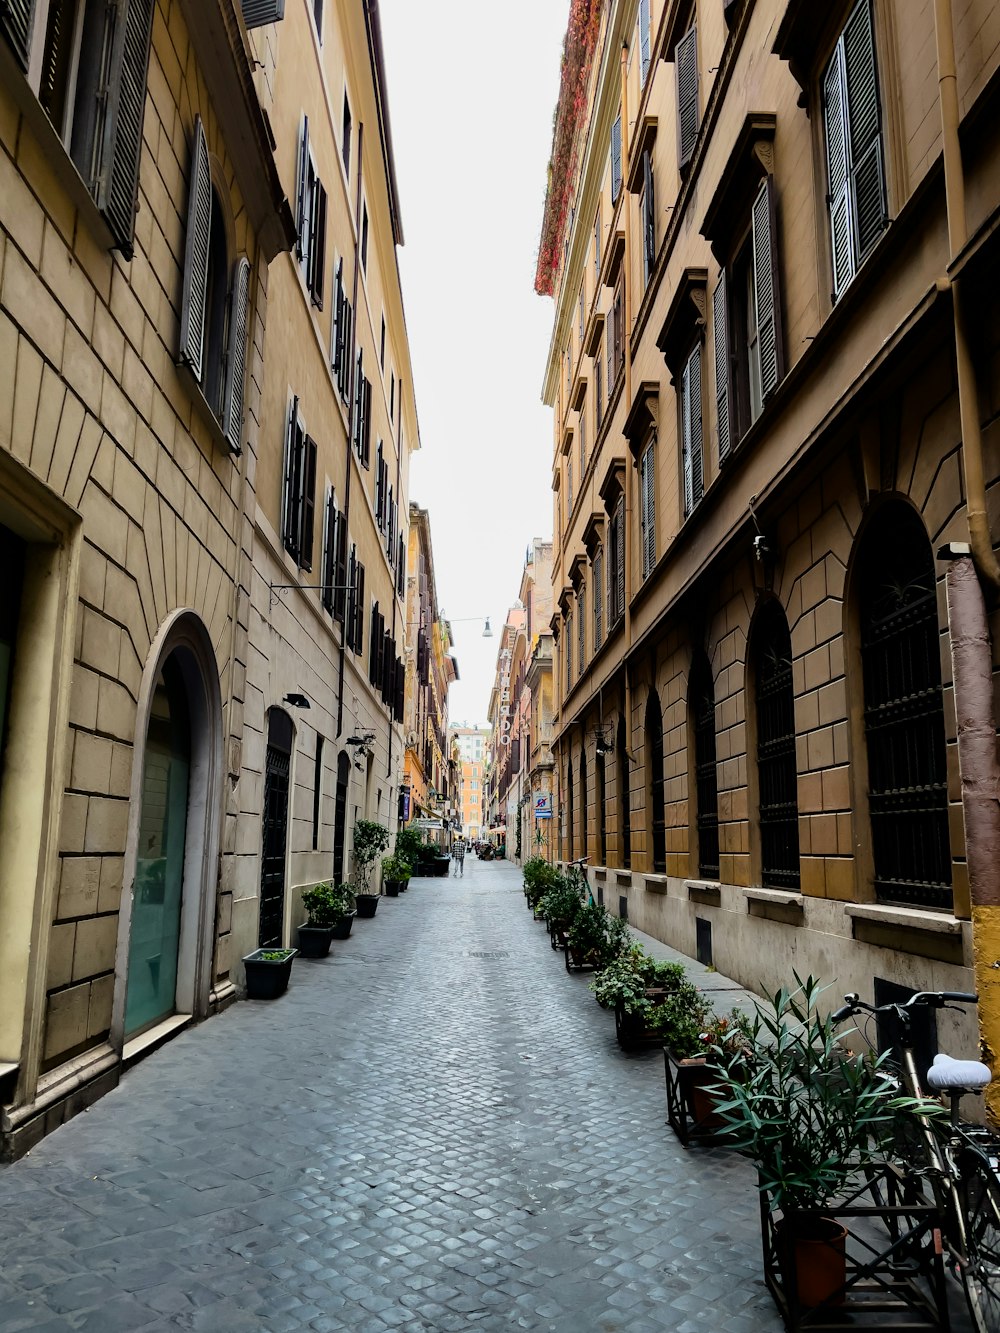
[(347, 910), (267, 972), (370, 840), (595, 938), (559, 906), (636, 987), (395, 873), (323, 904), (811, 1115), (538, 878), (408, 844)]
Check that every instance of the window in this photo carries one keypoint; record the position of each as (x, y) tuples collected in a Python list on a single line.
[(214, 300), (746, 315), (647, 208), (569, 488), (644, 40), (381, 495), (686, 64), (654, 769), (597, 583), (568, 637), (364, 237), (598, 389), (317, 791), (310, 243), (580, 320), (903, 712), (616, 158), (852, 128), (647, 508), (354, 627), (345, 136), (87, 65), (299, 490), (392, 396), (343, 320), (777, 777), (582, 459), (317, 8), (624, 796), (616, 334), (701, 709), (602, 811), (362, 413), (616, 564), (692, 441), (334, 557), (597, 246), (581, 630)]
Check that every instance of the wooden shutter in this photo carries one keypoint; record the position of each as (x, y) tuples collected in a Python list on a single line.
[(864, 134), (308, 502), (644, 37), (648, 511), (352, 593), (293, 472), (581, 629), (115, 176), (616, 157), (236, 358), (400, 690), (766, 290), (692, 374), (835, 129), (649, 211), (372, 646), (16, 17), (359, 606), (359, 400), (317, 243), (196, 246), (598, 585), (686, 62), (366, 427), (338, 320), (301, 239), (720, 332), (379, 479), (620, 563), (329, 550), (258, 12), (341, 576), (687, 465)]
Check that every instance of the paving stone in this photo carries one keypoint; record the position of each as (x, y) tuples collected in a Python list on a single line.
[(414, 1139)]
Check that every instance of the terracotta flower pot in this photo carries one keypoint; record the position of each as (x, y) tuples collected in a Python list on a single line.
[(817, 1255)]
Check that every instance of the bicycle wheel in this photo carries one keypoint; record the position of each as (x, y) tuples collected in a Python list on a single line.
[(979, 1192)]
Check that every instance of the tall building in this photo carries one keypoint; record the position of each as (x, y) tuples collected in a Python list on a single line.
[(140, 208), (770, 235), (469, 798), (323, 723), (431, 770)]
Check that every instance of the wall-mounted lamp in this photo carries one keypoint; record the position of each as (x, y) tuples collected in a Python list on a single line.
[(296, 701)]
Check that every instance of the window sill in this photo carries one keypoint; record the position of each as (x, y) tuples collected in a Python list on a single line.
[(657, 883), (705, 891), (623, 876), (909, 918), (776, 897)]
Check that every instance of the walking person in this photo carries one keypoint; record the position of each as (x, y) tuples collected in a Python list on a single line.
[(458, 857)]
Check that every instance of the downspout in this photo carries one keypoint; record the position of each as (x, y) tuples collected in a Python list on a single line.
[(629, 468), (352, 371), (973, 574)]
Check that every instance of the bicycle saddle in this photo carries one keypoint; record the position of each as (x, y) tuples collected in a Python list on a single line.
[(947, 1073)]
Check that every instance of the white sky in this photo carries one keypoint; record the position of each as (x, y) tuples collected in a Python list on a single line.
[(472, 88)]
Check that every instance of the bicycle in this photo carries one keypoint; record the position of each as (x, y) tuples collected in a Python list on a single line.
[(960, 1162)]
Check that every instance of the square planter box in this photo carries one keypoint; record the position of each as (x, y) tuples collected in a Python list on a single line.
[(631, 1030), (268, 978), (690, 1107)]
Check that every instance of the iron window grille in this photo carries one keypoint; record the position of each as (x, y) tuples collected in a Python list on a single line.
[(702, 705), (776, 767)]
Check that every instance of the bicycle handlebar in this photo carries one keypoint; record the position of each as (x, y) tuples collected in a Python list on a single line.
[(932, 1000)]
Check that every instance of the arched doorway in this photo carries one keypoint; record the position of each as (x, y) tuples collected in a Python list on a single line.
[(166, 926), (340, 815), (654, 774), (277, 771)]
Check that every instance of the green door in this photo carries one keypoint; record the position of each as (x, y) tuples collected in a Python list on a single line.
[(159, 872)]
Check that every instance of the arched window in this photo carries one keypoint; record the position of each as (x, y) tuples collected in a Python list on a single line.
[(602, 812), (777, 776), (624, 813), (701, 714), (569, 807), (903, 715), (654, 777), (584, 831), (340, 815)]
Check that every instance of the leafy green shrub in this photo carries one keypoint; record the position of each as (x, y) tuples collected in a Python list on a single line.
[(626, 979), (408, 844), (680, 1019), (596, 934), (395, 868), (328, 903), (539, 878), (370, 840), (562, 901)]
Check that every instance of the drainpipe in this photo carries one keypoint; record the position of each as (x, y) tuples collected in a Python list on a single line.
[(352, 375), (972, 575)]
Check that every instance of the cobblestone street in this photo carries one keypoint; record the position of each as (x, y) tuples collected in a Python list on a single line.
[(434, 1129)]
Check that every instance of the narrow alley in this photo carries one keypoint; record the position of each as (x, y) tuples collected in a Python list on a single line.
[(432, 1130)]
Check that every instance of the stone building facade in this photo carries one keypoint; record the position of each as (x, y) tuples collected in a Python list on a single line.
[(137, 222), (766, 236)]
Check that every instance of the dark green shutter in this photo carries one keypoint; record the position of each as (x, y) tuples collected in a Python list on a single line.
[(307, 503), (686, 63), (301, 239), (258, 12), (616, 157), (196, 247), (329, 550), (16, 18), (867, 186), (293, 465), (720, 333), (115, 178), (766, 293), (236, 359)]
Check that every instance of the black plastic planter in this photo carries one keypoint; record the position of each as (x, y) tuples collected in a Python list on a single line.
[(367, 904), (343, 927), (392, 888), (268, 978), (314, 941)]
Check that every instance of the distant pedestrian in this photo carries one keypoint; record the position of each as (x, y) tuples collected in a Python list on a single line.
[(458, 857)]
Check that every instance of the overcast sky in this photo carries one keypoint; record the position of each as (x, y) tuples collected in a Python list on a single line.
[(472, 89)]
